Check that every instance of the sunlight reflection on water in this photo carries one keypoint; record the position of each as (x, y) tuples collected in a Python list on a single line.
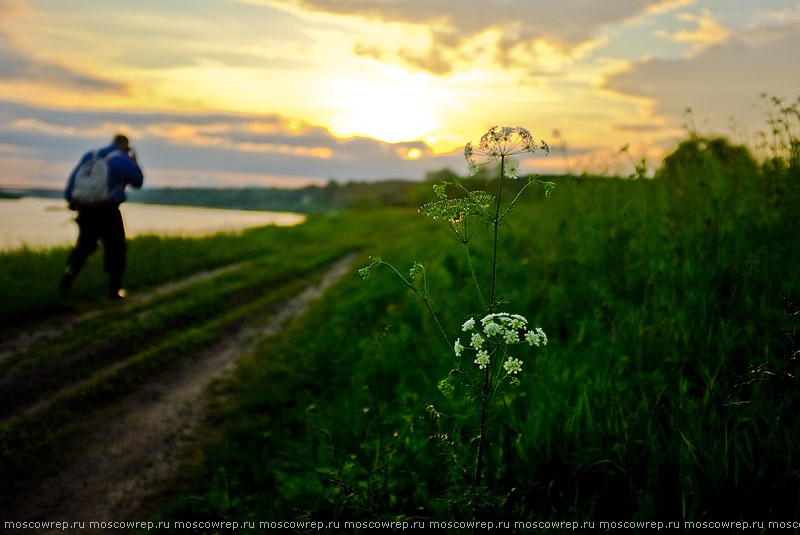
[(42, 223)]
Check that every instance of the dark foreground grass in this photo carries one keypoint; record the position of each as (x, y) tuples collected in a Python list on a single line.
[(668, 390)]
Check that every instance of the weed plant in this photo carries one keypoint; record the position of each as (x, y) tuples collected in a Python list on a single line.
[(490, 337)]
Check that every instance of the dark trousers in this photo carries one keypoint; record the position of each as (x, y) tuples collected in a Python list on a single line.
[(100, 223)]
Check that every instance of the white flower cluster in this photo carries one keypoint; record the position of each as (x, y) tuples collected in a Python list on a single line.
[(536, 338), (513, 366), (502, 141), (482, 359), (502, 329)]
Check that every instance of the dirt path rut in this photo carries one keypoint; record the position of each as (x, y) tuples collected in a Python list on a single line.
[(138, 443), (54, 327)]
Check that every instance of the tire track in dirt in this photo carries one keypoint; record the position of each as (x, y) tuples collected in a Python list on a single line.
[(53, 327), (138, 443)]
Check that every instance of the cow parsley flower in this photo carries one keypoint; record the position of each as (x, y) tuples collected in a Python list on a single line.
[(513, 366), (505, 317), (459, 214), (495, 324), (532, 338), (499, 330), (536, 338), (477, 341), (501, 142), (492, 329), (482, 359), (541, 334), (511, 170), (511, 336)]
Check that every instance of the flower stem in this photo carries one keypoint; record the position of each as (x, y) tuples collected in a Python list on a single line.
[(474, 277), (482, 440), (423, 298), (513, 202), (481, 436), (496, 224)]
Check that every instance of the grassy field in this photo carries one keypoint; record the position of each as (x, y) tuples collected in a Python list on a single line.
[(140, 339), (29, 278), (668, 389)]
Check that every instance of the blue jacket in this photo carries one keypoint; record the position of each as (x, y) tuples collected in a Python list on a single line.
[(122, 171)]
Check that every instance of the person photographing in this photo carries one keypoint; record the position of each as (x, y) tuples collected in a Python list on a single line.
[(95, 189)]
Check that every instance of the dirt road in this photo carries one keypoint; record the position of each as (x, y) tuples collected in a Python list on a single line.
[(138, 443)]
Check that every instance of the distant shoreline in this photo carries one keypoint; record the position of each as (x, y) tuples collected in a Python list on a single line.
[(312, 199), (41, 223)]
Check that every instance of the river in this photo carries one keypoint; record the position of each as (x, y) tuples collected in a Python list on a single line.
[(42, 223)]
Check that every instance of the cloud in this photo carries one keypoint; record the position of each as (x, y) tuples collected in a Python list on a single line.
[(781, 17), (12, 8), (664, 7), (708, 31), (722, 80), (569, 21), (18, 66), (457, 29), (203, 148)]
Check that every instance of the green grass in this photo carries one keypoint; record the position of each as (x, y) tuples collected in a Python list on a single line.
[(147, 337), (668, 388), (29, 279)]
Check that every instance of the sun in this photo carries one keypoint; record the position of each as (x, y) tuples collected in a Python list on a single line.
[(391, 110), (413, 154)]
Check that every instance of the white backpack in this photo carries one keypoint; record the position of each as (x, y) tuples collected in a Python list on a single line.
[(91, 180)]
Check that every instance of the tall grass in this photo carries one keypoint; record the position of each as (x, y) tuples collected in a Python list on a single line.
[(668, 389)]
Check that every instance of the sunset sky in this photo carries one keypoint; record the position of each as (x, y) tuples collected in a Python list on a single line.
[(291, 92)]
